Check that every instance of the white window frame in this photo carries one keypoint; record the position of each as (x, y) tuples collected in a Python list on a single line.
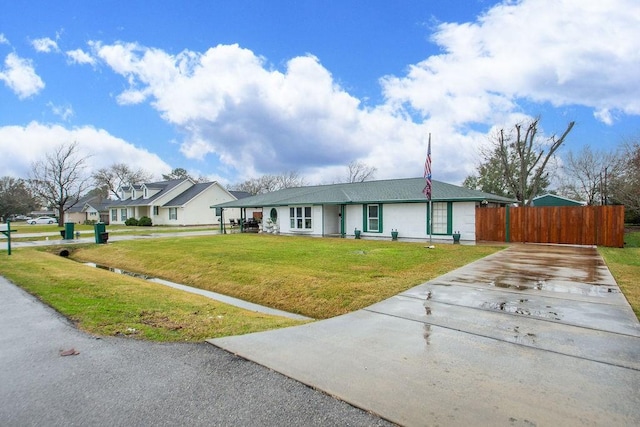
[(173, 214), (439, 222), (300, 218), (373, 219), (123, 214)]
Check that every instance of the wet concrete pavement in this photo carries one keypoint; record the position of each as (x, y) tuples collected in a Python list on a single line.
[(126, 382), (533, 335)]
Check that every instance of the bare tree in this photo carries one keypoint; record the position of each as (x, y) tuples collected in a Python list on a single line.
[(586, 174), (269, 183), (360, 172), (625, 187), (117, 175), (524, 160), (288, 180), (59, 179)]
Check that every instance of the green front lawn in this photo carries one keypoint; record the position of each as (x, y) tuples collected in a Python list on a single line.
[(104, 303), (315, 277), (319, 278), (624, 264)]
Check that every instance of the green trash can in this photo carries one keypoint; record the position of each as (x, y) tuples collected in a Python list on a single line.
[(68, 230), (100, 231)]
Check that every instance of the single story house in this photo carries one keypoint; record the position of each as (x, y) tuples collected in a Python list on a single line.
[(374, 208), (173, 202), (88, 208), (554, 200)]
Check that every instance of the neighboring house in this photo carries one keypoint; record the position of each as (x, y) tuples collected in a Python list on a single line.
[(375, 208), (554, 200), (173, 202), (88, 208)]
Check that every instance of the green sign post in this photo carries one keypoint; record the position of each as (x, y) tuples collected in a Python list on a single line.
[(7, 232)]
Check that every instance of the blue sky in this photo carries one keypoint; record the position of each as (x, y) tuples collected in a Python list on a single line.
[(232, 90)]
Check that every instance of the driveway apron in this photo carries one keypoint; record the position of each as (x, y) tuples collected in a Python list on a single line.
[(532, 335)]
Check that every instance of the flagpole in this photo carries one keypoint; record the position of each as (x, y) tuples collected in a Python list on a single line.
[(428, 190), (430, 221)]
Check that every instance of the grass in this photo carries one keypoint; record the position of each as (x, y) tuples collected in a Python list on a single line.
[(103, 303), (319, 278), (624, 264)]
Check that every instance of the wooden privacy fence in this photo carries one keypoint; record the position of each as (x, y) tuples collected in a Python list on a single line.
[(575, 225)]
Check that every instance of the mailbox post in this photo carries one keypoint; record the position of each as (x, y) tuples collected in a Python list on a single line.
[(6, 230)]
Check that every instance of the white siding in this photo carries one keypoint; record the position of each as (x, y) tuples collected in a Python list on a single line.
[(353, 220), (464, 220), (198, 211), (409, 219), (331, 219)]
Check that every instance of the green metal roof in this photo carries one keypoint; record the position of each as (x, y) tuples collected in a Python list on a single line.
[(407, 190), (554, 200)]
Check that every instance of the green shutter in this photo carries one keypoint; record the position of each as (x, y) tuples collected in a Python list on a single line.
[(428, 218), (365, 218), (449, 217), (380, 228)]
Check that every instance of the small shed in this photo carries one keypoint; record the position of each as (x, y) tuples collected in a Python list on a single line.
[(554, 200)]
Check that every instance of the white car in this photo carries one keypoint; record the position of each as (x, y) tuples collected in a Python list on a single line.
[(42, 220)]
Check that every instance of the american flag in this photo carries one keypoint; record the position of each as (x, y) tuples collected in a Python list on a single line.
[(427, 172)]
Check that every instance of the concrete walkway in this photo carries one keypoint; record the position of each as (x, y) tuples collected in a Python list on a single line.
[(533, 335), (49, 239)]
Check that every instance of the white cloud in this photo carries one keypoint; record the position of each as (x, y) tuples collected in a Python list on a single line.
[(20, 76), (65, 112), (230, 103), (23, 145), (3, 39), (567, 52), (45, 45), (78, 56)]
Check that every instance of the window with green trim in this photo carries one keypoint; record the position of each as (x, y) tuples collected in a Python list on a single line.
[(300, 218), (156, 210), (440, 221), (114, 214), (123, 214), (372, 215)]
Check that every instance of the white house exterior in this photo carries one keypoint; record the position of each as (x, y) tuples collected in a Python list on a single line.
[(174, 202), (374, 208)]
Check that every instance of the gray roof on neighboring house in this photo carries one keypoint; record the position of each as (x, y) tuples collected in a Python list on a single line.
[(407, 190), (188, 195), (240, 194), (163, 186), (97, 202)]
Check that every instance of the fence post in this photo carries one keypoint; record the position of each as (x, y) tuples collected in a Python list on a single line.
[(507, 221)]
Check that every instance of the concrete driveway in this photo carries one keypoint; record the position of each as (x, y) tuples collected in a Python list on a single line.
[(532, 335)]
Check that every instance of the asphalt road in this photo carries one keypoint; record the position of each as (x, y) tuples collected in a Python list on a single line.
[(117, 381)]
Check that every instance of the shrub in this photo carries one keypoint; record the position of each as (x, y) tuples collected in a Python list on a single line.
[(145, 221), (131, 222)]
